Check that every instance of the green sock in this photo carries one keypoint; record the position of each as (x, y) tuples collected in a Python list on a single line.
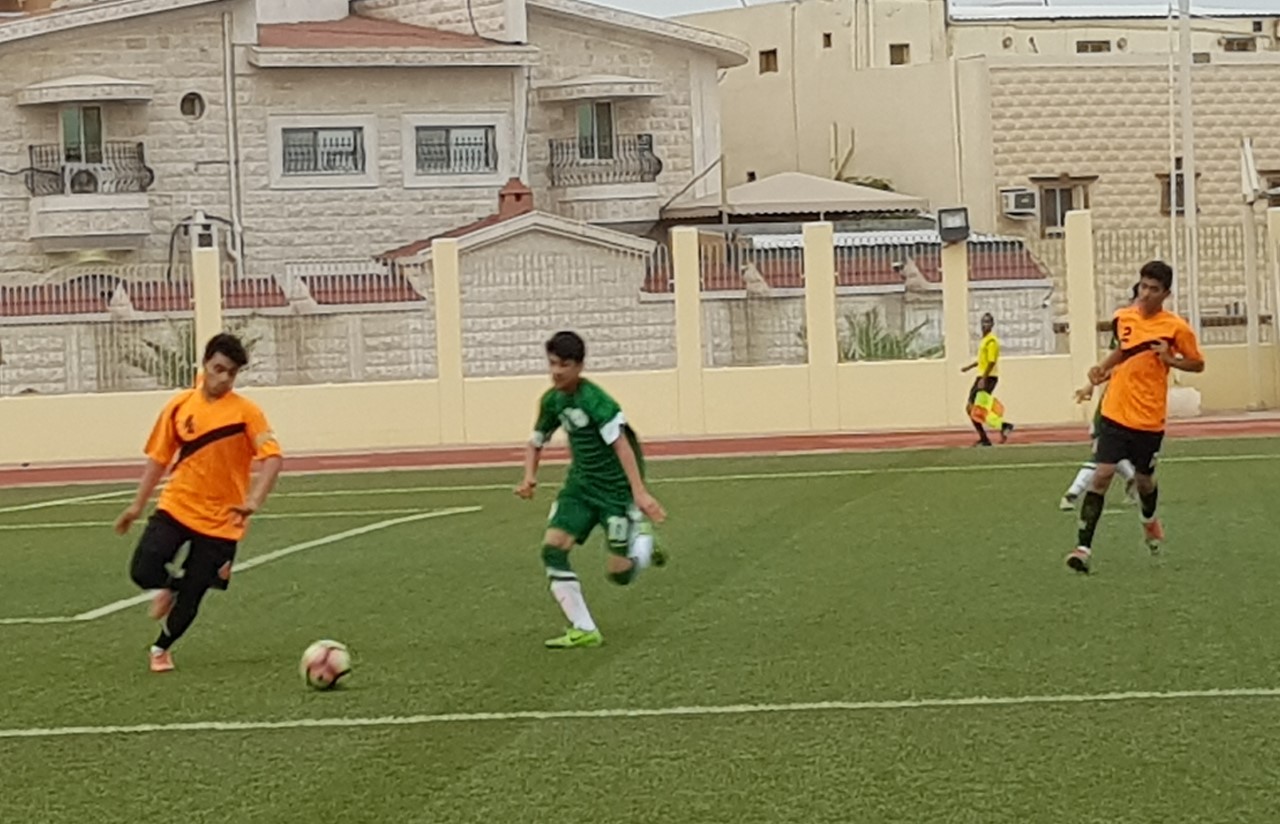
[(624, 578), (557, 563)]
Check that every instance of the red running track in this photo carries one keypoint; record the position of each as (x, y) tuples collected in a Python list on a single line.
[(713, 447)]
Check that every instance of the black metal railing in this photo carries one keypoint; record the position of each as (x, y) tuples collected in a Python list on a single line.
[(593, 162), (115, 167), (440, 153), (324, 152)]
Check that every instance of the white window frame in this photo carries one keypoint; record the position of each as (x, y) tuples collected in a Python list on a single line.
[(102, 127), (595, 131), (504, 139), (276, 126)]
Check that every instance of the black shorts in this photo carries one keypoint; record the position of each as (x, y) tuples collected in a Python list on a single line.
[(209, 560), (1117, 443), (991, 388)]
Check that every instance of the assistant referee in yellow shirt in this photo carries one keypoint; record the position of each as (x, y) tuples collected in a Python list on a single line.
[(988, 366)]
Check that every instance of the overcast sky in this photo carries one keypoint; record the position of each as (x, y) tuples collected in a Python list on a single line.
[(662, 8)]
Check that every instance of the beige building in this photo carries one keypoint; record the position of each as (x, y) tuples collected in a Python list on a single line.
[(325, 130), (1020, 112), (316, 134)]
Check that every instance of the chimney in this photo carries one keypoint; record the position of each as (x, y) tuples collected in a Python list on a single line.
[(514, 199)]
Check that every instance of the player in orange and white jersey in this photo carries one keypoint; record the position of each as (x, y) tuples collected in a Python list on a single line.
[(1135, 408)]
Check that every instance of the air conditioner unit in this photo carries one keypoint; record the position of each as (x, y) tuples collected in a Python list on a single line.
[(1020, 203)]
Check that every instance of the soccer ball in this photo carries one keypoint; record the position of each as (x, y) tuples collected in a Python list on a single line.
[(324, 663)]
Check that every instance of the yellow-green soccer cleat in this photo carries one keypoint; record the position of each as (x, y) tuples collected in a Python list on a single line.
[(574, 638)]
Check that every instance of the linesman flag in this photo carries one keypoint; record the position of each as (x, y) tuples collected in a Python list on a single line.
[(987, 411)]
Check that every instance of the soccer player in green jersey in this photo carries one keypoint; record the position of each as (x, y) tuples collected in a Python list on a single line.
[(605, 487)]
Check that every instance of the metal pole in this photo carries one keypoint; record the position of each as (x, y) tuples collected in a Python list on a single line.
[(1173, 155), (1250, 188), (1191, 224), (1253, 353)]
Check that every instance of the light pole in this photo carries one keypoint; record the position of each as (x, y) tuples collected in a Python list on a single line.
[(1191, 222)]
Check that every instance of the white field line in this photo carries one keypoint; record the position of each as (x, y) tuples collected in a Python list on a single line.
[(266, 516), (262, 516), (1224, 437), (658, 712), (56, 502), (247, 564), (768, 476), (752, 476)]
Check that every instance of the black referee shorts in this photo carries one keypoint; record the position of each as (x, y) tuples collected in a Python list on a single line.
[(977, 387)]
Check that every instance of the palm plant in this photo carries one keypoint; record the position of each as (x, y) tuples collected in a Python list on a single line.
[(866, 338)]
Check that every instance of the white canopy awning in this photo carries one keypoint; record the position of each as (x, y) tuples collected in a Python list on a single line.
[(599, 87), (797, 193), (84, 88)]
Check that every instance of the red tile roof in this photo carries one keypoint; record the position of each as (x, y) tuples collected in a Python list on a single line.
[(361, 290), (356, 32), (418, 246), (784, 269), (92, 295), (514, 200)]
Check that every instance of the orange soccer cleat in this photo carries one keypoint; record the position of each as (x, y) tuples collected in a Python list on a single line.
[(161, 661)]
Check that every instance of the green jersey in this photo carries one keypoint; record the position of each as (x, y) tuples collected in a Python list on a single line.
[(594, 422)]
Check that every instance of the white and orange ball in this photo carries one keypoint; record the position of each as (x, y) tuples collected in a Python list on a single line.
[(324, 664)]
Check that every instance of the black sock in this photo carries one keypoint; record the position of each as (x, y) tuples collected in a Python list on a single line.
[(183, 613), (1090, 512), (982, 432), (1149, 501)]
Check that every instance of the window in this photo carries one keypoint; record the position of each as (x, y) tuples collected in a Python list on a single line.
[(324, 151), (1257, 27), (1055, 203), (1240, 44), (768, 61), (463, 150), (1058, 196), (82, 134), (595, 131), (192, 106), (899, 54), (1178, 185), (456, 150), (1271, 180), (1093, 46), (826, 40)]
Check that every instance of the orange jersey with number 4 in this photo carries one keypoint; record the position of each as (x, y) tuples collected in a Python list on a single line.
[(1138, 393), (215, 444)]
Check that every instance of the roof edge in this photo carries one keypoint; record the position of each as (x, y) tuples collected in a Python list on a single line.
[(730, 52), (1101, 10), (82, 16), (546, 221), (275, 57)]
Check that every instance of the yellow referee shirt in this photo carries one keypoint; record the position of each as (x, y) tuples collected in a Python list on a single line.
[(989, 356)]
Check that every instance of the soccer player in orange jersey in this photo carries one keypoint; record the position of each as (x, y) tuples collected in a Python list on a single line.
[(211, 437), (1152, 341)]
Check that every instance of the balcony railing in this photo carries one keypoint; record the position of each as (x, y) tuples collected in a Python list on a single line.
[(115, 167), (592, 162)]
